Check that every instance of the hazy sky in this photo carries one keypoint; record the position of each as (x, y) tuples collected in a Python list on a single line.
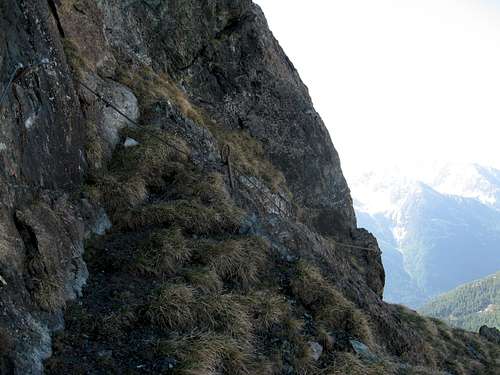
[(399, 80)]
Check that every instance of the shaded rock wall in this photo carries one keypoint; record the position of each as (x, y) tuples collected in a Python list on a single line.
[(41, 152)]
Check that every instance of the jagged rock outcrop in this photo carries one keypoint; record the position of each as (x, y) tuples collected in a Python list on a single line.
[(223, 241), (491, 333)]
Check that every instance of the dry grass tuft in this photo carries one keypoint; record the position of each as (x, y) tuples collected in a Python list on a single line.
[(330, 307), (248, 155), (182, 308), (190, 215), (74, 57), (119, 195), (133, 171), (271, 311), (199, 204), (163, 253), (46, 283), (151, 88), (412, 317), (237, 261), (225, 314), (94, 149), (156, 151), (204, 279), (348, 363), (209, 189), (303, 360), (208, 353), (172, 308)]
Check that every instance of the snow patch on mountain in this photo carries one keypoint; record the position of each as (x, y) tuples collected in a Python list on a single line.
[(468, 181), (441, 208)]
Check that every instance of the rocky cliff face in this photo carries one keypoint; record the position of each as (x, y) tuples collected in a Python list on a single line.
[(177, 141)]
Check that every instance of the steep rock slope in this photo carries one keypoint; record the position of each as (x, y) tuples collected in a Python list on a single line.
[(230, 243)]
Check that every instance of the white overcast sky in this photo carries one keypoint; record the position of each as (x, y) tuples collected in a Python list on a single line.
[(405, 81)]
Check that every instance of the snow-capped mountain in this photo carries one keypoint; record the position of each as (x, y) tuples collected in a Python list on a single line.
[(436, 232), (468, 181)]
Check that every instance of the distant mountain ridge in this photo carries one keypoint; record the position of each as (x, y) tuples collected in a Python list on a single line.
[(436, 233), (469, 306), (468, 181)]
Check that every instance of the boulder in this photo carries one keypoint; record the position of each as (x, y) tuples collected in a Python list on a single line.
[(490, 333), (316, 350)]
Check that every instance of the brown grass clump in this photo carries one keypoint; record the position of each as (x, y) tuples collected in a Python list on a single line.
[(209, 189), (190, 215), (416, 320), (132, 171), (270, 311), (225, 314), (199, 204), (181, 308), (442, 347), (347, 363), (118, 194), (94, 149), (172, 307), (74, 57), (248, 155), (163, 253), (330, 307), (237, 261), (151, 87), (47, 286), (208, 353), (205, 279), (157, 149)]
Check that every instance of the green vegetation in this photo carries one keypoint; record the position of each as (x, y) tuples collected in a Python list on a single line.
[(469, 306), (330, 307)]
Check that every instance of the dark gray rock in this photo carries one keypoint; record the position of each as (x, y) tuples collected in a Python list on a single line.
[(42, 135), (41, 150), (363, 351), (491, 333)]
